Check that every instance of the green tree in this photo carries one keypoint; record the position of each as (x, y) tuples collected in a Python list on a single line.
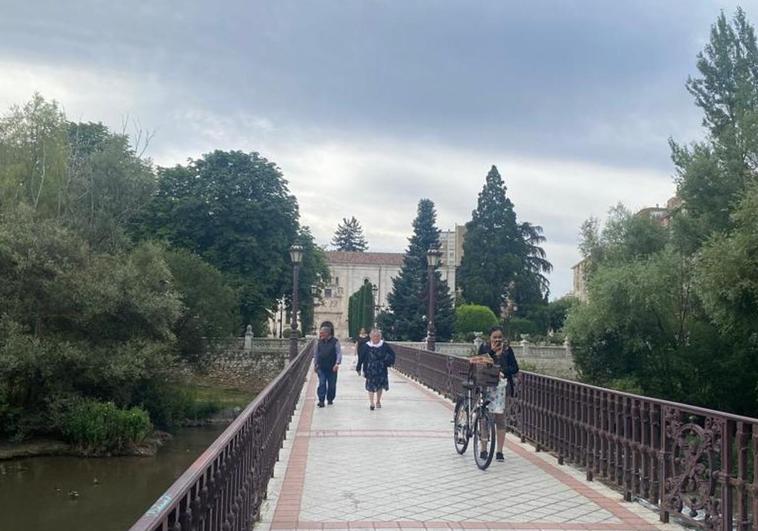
[(502, 258), (408, 300), (234, 210), (361, 310), (314, 272), (714, 173), (471, 318), (209, 315), (349, 236)]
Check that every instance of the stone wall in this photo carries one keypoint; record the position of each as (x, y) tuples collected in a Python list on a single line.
[(552, 360), (252, 367)]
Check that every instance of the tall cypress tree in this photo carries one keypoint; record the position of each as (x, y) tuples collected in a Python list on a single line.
[(501, 258), (408, 300), (349, 236)]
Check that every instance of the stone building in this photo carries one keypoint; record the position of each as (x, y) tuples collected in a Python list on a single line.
[(349, 270)]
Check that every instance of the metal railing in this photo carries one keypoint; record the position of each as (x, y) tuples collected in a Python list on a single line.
[(697, 464), (224, 488)]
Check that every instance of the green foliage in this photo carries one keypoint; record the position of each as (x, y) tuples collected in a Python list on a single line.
[(361, 310), (98, 427), (502, 258), (313, 272), (235, 211), (516, 327), (408, 300), (672, 313), (209, 315), (473, 318), (727, 274), (349, 236), (171, 404)]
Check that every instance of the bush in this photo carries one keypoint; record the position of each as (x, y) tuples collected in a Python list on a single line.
[(518, 326), (170, 406), (97, 427), (470, 318)]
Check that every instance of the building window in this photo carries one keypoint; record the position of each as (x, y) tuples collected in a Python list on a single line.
[(328, 293)]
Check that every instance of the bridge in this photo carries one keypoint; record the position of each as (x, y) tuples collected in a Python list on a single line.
[(576, 457)]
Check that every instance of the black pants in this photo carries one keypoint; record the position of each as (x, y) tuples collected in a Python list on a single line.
[(327, 384)]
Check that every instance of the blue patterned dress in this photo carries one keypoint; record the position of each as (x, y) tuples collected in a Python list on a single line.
[(377, 359)]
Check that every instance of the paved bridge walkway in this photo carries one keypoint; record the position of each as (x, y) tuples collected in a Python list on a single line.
[(346, 467)]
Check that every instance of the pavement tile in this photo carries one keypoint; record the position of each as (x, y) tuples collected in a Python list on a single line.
[(345, 467)]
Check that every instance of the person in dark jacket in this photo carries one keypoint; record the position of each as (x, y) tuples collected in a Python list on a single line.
[(377, 357), (363, 338), (327, 356), (499, 349)]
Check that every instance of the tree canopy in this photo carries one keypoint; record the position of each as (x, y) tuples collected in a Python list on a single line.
[(408, 300), (349, 236), (672, 307), (502, 257)]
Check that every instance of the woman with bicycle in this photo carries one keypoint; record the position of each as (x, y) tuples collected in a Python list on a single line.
[(499, 349)]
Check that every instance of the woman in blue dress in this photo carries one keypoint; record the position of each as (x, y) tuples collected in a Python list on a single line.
[(377, 357)]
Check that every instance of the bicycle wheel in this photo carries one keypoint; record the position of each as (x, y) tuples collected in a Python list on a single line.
[(484, 438), (461, 432)]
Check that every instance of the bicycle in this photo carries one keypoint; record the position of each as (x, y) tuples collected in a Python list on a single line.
[(472, 418)]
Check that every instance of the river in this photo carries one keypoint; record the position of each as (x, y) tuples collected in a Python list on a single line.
[(112, 492)]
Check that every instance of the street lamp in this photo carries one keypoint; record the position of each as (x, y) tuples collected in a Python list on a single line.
[(432, 260), (296, 255), (375, 291)]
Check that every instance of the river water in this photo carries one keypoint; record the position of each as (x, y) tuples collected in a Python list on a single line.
[(113, 492)]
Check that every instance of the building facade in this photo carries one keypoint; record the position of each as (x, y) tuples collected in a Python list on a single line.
[(349, 271)]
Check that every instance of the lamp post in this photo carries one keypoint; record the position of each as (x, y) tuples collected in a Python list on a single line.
[(296, 255), (432, 260), (375, 291)]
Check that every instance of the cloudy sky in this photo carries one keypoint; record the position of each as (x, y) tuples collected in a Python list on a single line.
[(368, 106)]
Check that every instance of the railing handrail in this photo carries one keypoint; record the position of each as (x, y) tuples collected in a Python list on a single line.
[(687, 460), (690, 407), (174, 494)]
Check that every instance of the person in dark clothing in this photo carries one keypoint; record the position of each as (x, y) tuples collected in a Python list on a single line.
[(363, 338), (499, 349), (327, 357), (377, 357)]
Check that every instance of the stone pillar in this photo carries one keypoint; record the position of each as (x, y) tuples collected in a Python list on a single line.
[(249, 338), (524, 348)]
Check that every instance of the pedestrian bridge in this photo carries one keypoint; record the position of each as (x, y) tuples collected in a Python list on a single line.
[(346, 467)]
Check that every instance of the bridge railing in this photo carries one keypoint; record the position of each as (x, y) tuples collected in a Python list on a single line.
[(697, 464), (225, 486)]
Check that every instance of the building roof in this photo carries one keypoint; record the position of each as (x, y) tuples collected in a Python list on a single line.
[(354, 258)]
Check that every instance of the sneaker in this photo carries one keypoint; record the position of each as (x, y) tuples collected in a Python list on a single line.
[(320, 404), (499, 456), (330, 402), (483, 455), (371, 407), (378, 406)]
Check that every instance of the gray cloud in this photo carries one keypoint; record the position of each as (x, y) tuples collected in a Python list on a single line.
[(369, 106)]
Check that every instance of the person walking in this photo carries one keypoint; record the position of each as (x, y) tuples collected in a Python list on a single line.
[(377, 357), (499, 349), (359, 344), (327, 357)]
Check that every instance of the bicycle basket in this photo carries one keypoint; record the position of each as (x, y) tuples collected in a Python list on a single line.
[(486, 375)]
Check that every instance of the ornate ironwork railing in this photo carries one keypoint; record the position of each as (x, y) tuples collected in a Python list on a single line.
[(698, 464), (225, 486)]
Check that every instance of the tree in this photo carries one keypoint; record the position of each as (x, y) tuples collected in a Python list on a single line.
[(502, 258), (470, 318), (314, 271), (235, 211), (210, 312), (406, 319), (361, 309), (349, 236), (714, 173)]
